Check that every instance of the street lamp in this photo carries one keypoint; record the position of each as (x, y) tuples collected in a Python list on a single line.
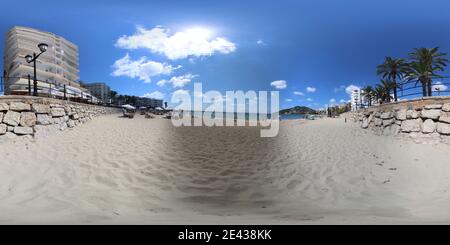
[(42, 47), (438, 90)]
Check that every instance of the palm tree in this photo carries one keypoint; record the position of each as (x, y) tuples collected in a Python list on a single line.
[(379, 93), (419, 72), (392, 69), (112, 95), (382, 91), (425, 63), (387, 86), (368, 92)]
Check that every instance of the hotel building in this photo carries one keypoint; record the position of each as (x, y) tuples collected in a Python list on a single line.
[(149, 102), (100, 90), (356, 99), (56, 67)]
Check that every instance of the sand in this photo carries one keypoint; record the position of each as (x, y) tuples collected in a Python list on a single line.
[(114, 170)]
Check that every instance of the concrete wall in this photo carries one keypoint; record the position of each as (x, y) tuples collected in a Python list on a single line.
[(25, 115), (420, 117)]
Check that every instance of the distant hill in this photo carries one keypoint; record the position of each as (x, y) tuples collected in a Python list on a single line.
[(298, 110)]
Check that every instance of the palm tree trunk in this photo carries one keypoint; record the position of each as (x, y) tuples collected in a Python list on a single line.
[(430, 91), (424, 88), (395, 89)]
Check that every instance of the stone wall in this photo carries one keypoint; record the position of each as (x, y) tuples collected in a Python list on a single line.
[(25, 115), (420, 117)]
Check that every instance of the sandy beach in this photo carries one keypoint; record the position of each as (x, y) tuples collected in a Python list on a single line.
[(114, 170)]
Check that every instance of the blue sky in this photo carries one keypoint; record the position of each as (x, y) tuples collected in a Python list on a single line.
[(140, 47)]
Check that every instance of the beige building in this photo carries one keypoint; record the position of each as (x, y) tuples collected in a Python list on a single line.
[(57, 67), (100, 90)]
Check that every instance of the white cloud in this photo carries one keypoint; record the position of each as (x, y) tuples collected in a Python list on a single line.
[(298, 93), (339, 89), (180, 92), (179, 81), (154, 95), (342, 101), (310, 89), (161, 82), (260, 42), (288, 100), (309, 99), (142, 69), (439, 86), (279, 84), (349, 89), (194, 42)]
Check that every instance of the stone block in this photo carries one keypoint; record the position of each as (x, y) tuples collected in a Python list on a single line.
[(19, 106), (443, 128), (12, 118), (388, 122), (4, 107), (413, 125), (401, 114), (412, 114), (446, 107), (378, 122), (43, 119), (433, 106), (27, 119), (70, 124), (429, 126), (40, 108), (23, 130), (3, 129), (445, 117), (431, 114), (58, 112), (387, 115)]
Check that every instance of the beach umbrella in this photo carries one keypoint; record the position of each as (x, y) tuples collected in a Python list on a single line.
[(127, 106)]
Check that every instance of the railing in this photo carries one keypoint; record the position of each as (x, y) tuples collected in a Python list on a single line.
[(50, 90), (413, 89)]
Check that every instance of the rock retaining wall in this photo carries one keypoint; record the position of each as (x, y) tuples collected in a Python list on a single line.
[(421, 117), (24, 115)]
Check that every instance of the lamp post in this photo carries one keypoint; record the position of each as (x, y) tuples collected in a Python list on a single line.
[(42, 47), (438, 90)]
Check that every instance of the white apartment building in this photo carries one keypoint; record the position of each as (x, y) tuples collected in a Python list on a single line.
[(57, 67), (356, 99)]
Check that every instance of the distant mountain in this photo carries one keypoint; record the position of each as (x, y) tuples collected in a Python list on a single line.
[(298, 110)]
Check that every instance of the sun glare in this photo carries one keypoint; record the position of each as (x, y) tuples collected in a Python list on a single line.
[(199, 32)]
